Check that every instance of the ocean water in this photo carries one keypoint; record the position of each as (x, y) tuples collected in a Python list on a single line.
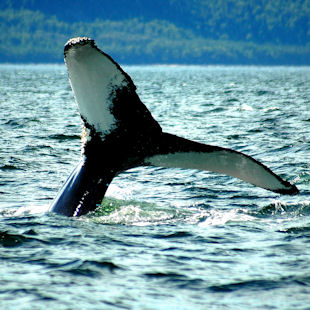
[(163, 238)]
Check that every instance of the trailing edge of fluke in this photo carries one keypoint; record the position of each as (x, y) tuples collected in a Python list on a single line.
[(120, 133)]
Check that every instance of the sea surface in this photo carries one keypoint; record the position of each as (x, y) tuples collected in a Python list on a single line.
[(163, 238)]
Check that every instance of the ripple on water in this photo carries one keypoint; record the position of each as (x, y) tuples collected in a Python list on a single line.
[(162, 239)]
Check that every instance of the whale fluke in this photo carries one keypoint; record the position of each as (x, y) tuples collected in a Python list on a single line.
[(120, 133)]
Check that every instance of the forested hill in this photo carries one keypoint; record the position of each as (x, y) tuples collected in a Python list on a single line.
[(161, 31)]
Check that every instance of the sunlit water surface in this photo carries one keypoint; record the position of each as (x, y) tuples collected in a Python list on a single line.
[(163, 238)]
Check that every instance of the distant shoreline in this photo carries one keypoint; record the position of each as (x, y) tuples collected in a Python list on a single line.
[(34, 36)]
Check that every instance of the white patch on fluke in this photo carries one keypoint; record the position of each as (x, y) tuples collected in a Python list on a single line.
[(94, 79), (224, 162)]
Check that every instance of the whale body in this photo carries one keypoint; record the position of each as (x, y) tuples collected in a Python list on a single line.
[(120, 133)]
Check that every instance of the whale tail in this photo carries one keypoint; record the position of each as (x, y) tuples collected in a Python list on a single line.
[(120, 133)]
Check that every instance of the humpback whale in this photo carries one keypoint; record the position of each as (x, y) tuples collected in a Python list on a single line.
[(120, 133)]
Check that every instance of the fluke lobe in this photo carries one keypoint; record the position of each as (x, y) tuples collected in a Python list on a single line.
[(120, 133)]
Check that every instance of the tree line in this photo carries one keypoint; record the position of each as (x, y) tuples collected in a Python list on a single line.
[(223, 32)]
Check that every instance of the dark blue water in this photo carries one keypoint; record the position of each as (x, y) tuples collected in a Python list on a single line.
[(163, 238)]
